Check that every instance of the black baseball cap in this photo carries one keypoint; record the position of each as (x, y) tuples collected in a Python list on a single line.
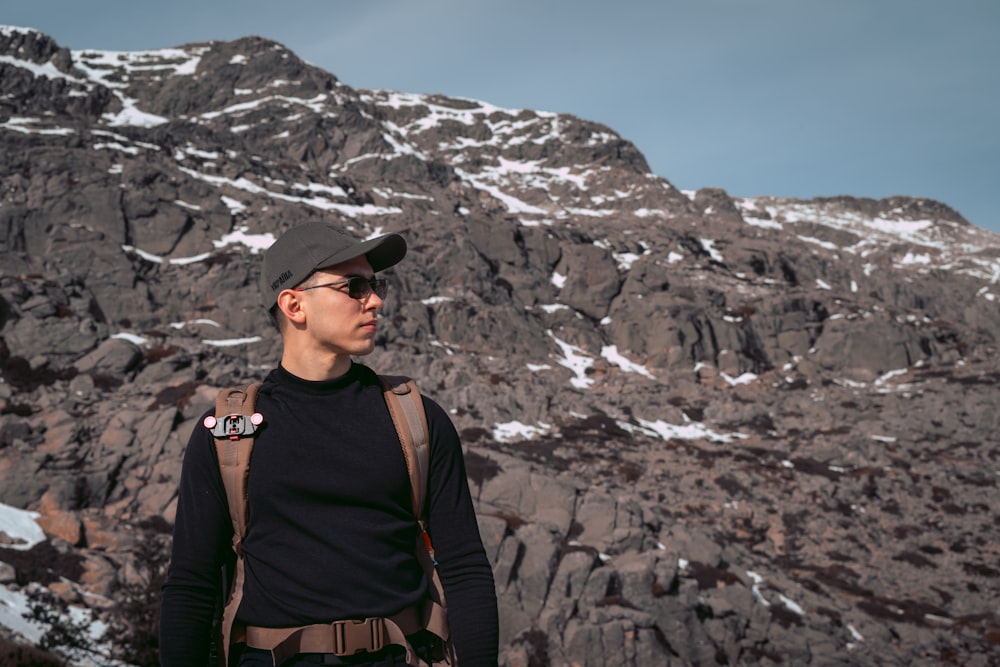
[(316, 245)]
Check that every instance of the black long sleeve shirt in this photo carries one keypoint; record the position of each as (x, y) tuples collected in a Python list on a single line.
[(330, 524)]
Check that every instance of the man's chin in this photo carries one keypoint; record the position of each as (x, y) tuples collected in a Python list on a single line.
[(363, 350)]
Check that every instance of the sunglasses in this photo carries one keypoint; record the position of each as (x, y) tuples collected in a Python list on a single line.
[(357, 287)]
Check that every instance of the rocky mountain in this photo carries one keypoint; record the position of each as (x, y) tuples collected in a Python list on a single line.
[(701, 429)]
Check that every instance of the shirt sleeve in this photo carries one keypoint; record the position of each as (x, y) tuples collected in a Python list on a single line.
[(201, 545), (464, 568)]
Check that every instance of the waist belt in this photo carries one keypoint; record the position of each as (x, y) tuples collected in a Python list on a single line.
[(341, 638)]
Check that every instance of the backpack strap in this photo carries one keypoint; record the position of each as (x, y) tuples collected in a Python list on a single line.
[(407, 410), (234, 426)]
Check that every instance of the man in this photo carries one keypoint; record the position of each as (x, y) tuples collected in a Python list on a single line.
[(331, 531)]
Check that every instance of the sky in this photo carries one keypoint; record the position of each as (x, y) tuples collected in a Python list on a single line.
[(791, 98)]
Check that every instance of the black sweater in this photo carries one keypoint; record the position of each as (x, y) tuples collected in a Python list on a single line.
[(330, 526)]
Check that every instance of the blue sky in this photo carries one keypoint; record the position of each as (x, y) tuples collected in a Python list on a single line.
[(797, 98)]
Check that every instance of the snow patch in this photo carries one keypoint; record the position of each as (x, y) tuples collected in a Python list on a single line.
[(20, 527)]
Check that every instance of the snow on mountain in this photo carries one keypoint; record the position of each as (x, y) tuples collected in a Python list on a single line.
[(18, 529)]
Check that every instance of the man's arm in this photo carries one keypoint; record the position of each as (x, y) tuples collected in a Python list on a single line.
[(465, 570), (202, 541)]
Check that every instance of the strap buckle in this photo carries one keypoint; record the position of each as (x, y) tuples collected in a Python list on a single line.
[(339, 638), (351, 636)]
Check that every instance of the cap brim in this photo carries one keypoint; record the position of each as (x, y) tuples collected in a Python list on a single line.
[(382, 252)]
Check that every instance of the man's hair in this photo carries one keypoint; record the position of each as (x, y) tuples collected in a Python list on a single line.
[(277, 318)]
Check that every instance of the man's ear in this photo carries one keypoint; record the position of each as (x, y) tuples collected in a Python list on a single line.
[(290, 305)]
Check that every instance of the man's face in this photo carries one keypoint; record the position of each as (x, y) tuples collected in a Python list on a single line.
[(337, 322)]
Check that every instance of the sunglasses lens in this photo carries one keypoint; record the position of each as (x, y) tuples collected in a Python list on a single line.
[(359, 288)]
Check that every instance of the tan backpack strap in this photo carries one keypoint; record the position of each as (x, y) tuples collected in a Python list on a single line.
[(234, 455), (232, 632), (234, 445), (340, 638), (348, 637), (407, 411)]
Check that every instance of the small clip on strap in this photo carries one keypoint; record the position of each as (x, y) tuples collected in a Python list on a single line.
[(234, 426)]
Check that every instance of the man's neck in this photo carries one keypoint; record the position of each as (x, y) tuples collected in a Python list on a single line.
[(316, 368)]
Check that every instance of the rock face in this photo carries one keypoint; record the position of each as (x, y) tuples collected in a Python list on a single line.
[(701, 429)]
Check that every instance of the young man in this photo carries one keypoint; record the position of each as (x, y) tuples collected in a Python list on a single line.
[(331, 530)]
